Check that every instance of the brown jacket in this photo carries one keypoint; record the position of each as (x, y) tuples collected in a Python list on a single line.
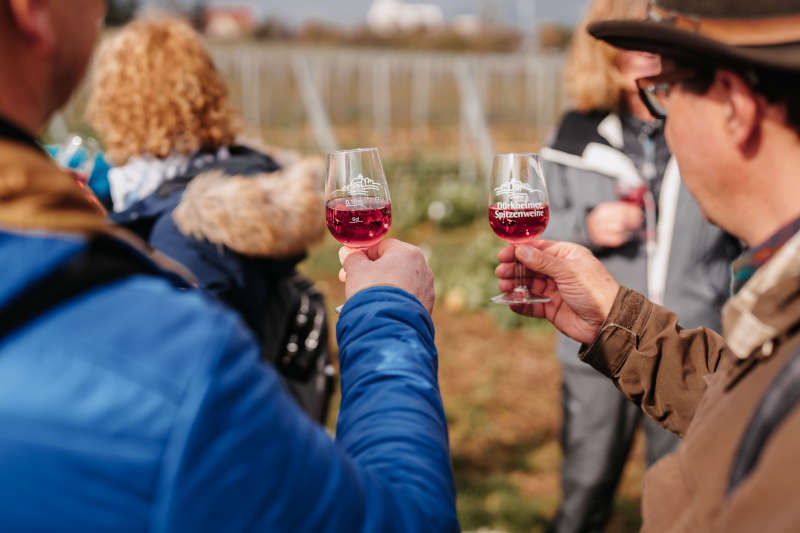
[(706, 390)]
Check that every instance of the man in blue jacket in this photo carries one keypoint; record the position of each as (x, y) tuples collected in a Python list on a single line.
[(129, 403)]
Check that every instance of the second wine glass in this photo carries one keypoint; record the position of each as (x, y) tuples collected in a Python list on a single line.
[(519, 210), (358, 209)]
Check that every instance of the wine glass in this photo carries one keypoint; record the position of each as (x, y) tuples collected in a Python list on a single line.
[(79, 154), (519, 210), (638, 194), (631, 193), (358, 209)]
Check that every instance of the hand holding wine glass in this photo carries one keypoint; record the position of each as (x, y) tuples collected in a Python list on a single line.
[(391, 263), (579, 288), (518, 211)]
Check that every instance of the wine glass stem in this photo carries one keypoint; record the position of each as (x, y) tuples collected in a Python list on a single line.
[(519, 271)]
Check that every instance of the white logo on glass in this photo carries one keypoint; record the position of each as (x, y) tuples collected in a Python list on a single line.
[(358, 189), (519, 195), (360, 186)]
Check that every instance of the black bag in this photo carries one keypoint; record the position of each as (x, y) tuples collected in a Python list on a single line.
[(295, 340)]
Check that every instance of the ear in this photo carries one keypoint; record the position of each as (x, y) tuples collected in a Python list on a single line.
[(32, 19), (742, 109)]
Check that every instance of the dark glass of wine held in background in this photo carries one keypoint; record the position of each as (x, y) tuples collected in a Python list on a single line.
[(358, 209), (631, 194), (519, 211)]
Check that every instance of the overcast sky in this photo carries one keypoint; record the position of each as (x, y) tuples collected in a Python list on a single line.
[(350, 12)]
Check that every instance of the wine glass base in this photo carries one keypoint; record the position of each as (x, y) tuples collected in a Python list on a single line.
[(516, 298)]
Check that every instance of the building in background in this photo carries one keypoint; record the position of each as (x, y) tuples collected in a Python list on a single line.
[(468, 25), (391, 16), (229, 22)]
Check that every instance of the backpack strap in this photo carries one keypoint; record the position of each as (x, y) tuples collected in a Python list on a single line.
[(782, 396), (103, 261)]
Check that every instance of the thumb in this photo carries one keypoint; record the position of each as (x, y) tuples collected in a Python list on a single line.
[(351, 260), (345, 252), (540, 262)]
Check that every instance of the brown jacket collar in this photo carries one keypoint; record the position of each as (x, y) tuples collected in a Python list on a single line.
[(35, 195)]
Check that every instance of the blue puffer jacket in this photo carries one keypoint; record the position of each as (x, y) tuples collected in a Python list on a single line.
[(162, 419)]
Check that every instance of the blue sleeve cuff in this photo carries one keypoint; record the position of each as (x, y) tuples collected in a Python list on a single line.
[(384, 293)]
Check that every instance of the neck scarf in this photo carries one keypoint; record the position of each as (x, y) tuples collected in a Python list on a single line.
[(746, 264)]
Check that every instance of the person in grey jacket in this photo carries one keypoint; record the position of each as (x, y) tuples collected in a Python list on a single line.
[(615, 189)]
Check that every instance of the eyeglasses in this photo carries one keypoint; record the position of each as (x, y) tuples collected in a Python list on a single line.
[(654, 90)]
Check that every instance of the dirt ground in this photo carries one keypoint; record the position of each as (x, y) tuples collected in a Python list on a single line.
[(501, 390)]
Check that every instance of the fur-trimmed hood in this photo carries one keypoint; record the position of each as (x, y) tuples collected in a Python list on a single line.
[(277, 214)]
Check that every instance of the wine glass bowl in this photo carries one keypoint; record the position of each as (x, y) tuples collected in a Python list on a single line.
[(358, 209), (631, 194), (519, 211), (358, 226), (517, 226)]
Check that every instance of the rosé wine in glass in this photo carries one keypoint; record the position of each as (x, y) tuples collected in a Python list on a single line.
[(631, 194), (518, 225), (358, 223)]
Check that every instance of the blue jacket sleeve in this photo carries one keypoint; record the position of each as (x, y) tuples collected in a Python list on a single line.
[(391, 418), (244, 457)]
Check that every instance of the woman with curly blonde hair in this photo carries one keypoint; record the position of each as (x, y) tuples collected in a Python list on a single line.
[(238, 218), (155, 90), (615, 189)]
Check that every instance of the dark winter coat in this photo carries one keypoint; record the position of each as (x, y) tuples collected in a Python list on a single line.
[(240, 225)]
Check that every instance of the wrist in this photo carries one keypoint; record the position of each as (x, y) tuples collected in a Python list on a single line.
[(375, 284), (609, 298), (379, 291), (619, 333)]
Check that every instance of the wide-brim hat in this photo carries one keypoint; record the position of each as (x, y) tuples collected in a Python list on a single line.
[(754, 33)]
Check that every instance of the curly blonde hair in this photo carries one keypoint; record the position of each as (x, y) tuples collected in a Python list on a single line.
[(592, 78), (155, 90)]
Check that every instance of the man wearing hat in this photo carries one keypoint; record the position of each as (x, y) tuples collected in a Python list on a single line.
[(730, 91)]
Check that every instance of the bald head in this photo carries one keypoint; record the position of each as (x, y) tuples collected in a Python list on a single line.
[(45, 46)]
